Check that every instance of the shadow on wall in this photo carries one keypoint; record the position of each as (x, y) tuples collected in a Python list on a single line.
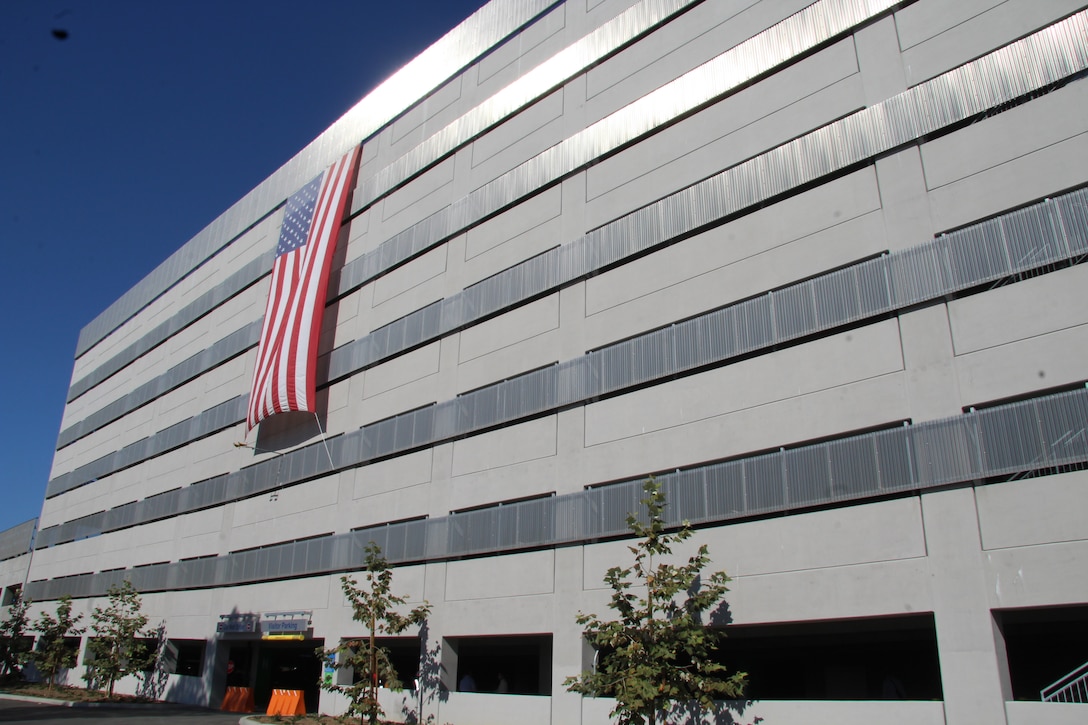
[(187, 690), (429, 691), (286, 430), (31, 673), (731, 712), (153, 683)]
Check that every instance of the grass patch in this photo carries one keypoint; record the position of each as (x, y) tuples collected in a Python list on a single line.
[(64, 692), (308, 720)]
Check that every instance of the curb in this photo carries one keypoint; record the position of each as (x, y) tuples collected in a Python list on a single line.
[(113, 705), (80, 704)]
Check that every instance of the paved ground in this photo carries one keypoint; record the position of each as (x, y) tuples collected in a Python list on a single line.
[(13, 711)]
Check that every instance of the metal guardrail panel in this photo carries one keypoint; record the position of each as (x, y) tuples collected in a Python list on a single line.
[(17, 540), (708, 339), (1031, 236), (1073, 687), (970, 447)]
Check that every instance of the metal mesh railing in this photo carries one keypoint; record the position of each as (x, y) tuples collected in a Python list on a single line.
[(1047, 433), (1052, 231), (1043, 58), (1070, 688), (17, 540)]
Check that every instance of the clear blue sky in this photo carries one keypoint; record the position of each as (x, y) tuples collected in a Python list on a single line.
[(123, 140)]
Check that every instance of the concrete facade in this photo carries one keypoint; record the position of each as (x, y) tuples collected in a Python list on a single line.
[(593, 178)]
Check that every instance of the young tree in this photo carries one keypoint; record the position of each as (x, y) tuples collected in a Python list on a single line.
[(118, 645), (53, 653), (376, 607), (14, 642), (658, 651)]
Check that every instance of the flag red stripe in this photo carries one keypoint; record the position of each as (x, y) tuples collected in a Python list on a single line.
[(330, 229), (277, 298), (274, 316), (285, 375), (310, 310)]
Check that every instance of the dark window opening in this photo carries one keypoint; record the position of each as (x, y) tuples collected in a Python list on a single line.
[(20, 645), (886, 658), (11, 595), (144, 652), (403, 654), (517, 664), (287, 665), (238, 665), (185, 657), (71, 644), (1043, 645)]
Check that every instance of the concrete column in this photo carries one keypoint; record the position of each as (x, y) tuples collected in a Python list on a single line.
[(216, 656), (448, 357), (974, 670), (567, 637), (438, 490), (879, 60), (570, 445), (904, 200), (901, 178), (438, 667), (929, 362)]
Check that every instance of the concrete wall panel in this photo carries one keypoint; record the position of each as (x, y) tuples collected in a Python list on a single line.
[(406, 369), (508, 330), (935, 39), (1018, 368), (979, 147), (829, 225), (859, 355), (474, 579), (1032, 512), (394, 473), (527, 49), (523, 136), (506, 447), (800, 98), (426, 117), (1027, 309), (1036, 576), (692, 39)]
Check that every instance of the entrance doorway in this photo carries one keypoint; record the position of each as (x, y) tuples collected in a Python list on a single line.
[(276, 665), (288, 666)]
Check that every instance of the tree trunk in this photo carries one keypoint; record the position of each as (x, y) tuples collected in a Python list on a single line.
[(373, 670)]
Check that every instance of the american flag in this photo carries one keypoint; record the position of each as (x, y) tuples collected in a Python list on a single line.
[(287, 354)]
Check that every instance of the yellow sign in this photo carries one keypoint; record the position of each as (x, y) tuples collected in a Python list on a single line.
[(298, 637)]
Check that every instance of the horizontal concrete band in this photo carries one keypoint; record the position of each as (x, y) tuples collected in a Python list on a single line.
[(237, 283), (1052, 231), (1038, 435), (807, 159), (593, 48), (187, 370), (789, 40), (783, 43), (691, 208)]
